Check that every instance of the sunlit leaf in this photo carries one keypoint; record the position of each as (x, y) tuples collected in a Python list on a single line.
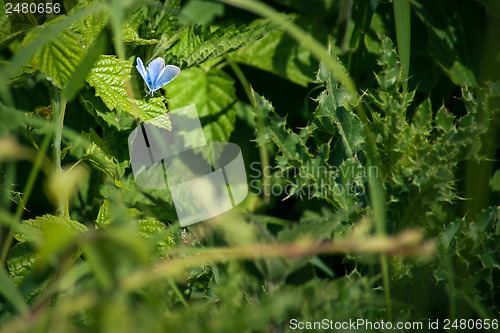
[(110, 78), (213, 93)]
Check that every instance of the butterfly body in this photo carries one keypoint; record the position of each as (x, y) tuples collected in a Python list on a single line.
[(157, 75)]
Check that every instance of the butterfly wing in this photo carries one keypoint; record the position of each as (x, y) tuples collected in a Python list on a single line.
[(154, 70), (143, 72), (168, 73)]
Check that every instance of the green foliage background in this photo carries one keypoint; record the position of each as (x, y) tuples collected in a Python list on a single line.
[(410, 89)]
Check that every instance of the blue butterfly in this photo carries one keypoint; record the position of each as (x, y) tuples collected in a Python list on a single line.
[(157, 74)]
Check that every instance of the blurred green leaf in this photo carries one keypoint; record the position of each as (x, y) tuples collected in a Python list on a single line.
[(495, 181), (147, 227), (21, 259), (11, 293), (200, 11), (33, 229)]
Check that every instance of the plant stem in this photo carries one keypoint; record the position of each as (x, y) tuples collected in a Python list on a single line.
[(384, 264), (177, 292), (264, 159), (452, 291), (58, 103), (403, 34), (264, 154), (30, 183), (116, 27)]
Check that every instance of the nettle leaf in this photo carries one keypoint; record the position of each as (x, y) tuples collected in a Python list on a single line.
[(21, 259), (213, 93), (151, 202), (110, 78), (39, 239), (156, 21), (278, 53), (58, 58), (197, 44), (147, 227), (95, 106), (97, 153), (131, 37), (33, 229), (22, 21), (89, 28), (5, 29)]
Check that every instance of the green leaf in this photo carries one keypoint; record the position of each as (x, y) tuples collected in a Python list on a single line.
[(495, 181), (44, 35), (61, 58), (213, 93), (454, 40), (77, 81), (147, 227), (104, 215), (312, 176), (278, 53), (21, 259), (89, 28), (5, 29), (131, 37), (22, 21), (444, 119), (32, 229), (201, 11), (151, 202), (95, 106), (403, 32), (420, 156), (58, 58), (110, 78), (335, 105), (492, 7), (97, 153), (332, 105), (316, 226), (197, 44)]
